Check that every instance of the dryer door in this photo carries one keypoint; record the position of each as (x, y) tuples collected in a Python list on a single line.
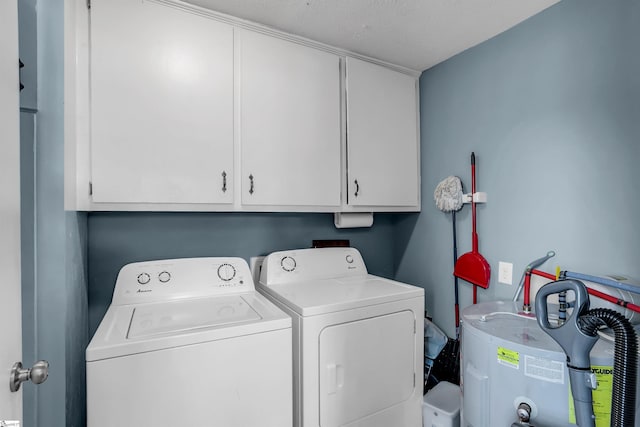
[(366, 366)]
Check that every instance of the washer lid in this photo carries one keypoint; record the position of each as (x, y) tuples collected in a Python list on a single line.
[(170, 317), (138, 328), (331, 295)]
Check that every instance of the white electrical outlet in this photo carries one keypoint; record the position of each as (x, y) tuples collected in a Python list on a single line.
[(505, 273), (255, 264)]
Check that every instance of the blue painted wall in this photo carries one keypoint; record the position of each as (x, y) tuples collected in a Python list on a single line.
[(51, 294), (54, 242), (76, 318), (116, 239), (27, 25), (552, 110), (27, 256)]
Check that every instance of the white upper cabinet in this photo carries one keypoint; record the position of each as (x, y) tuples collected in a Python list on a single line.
[(289, 121), (161, 82), (172, 107), (383, 158)]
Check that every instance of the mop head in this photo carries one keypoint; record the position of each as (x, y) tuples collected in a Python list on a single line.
[(448, 194)]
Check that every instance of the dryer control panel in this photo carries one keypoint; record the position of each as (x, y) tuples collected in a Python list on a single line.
[(172, 279), (302, 265)]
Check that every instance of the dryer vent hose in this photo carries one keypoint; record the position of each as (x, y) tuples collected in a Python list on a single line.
[(625, 362)]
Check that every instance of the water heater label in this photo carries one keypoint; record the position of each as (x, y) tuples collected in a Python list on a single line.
[(508, 357), (544, 369)]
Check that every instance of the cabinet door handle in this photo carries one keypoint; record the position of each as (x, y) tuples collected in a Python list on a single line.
[(251, 184), (224, 181), (20, 67), (357, 188)]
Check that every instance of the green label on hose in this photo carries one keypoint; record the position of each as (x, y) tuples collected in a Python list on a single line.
[(508, 357), (601, 396)]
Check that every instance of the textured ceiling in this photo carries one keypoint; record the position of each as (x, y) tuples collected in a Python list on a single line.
[(416, 34)]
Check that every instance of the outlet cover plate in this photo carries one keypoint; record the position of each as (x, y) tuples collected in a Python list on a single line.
[(505, 273)]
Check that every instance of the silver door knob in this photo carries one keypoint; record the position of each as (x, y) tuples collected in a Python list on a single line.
[(37, 374)]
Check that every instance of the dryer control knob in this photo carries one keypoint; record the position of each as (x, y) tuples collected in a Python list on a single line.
[(226, 272), (288, 263), (144, 278)]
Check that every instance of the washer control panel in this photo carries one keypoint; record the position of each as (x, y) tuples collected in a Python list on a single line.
[(171, 279), (311, 264)]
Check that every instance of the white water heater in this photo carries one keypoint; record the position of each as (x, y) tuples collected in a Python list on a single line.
[(506, 360)]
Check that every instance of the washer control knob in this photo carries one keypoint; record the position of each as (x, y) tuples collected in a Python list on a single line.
[(226, 272), (164, 277), (144, 278), (349, 259), (288, 263)]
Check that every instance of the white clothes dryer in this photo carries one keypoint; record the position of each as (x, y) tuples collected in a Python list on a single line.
[(357, 339), (190, 342)]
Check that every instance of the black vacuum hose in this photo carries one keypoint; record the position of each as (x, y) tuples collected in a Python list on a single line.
[(625, 362)]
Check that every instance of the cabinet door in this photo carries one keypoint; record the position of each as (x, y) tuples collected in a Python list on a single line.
[(382, 136), (161, 104), (289, 123)]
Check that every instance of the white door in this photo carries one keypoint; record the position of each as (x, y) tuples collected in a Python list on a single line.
[(161, 104), (289, 123), (382, 136), (10, 304)]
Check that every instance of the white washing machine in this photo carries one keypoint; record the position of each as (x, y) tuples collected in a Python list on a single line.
[(189, 342), (357, 339)]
